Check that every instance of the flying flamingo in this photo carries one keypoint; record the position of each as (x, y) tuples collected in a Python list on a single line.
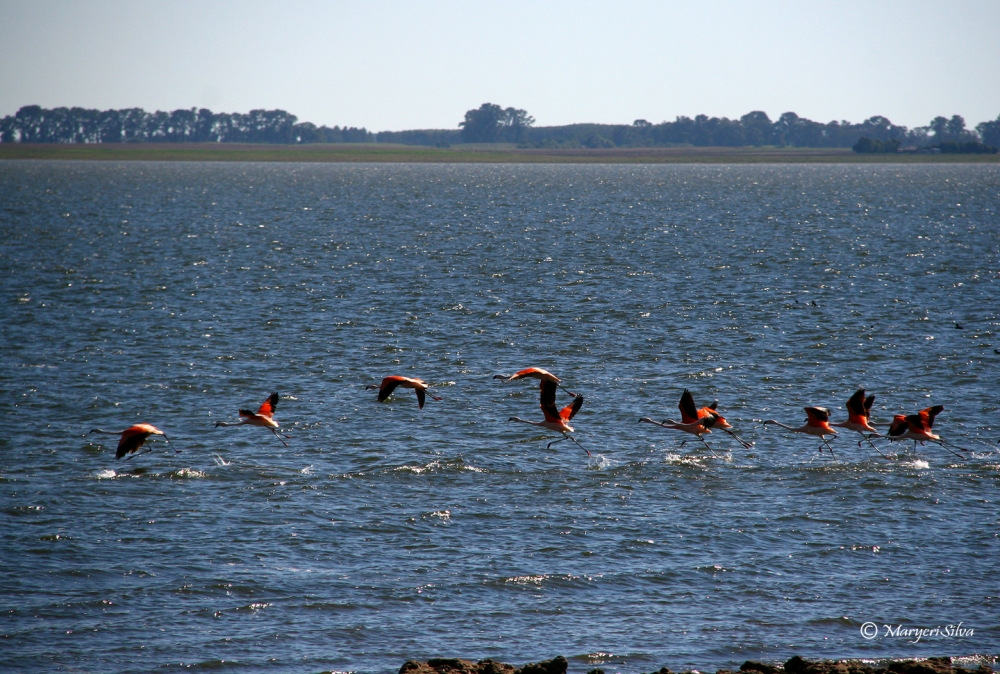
[(134, 437), (534, 373), (696, 428), (691, 414), (389, 385), (264, 417), (555, 420), (817, 423), (917, 427), (858, 410)]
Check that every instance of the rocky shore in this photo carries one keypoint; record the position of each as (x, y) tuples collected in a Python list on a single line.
[(795, 665)]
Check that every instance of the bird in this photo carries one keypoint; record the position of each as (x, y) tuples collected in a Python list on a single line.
[(264, 417), (534, 373), (858, 410), (917, 427), (389, 385), (555, 420), (691, 414), (696, 428), (133, 437), (817, 423)]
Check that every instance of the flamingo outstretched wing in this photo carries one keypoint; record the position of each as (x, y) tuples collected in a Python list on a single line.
[(268, 406), (927, 416), (856, 405), (689, 413), (570, 410), (817, 415), (547, 400), (131, 440), (388, 385)]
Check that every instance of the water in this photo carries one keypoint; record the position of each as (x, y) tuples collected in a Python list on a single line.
[(177, 293)]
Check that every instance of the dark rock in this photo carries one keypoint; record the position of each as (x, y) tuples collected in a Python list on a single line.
[(596, 670), (796, 665), (928, 666), (557, 665), (456, 666), (489, 666), (754, 666)]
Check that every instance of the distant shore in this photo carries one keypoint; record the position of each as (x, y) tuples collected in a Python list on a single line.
[(466, 154)]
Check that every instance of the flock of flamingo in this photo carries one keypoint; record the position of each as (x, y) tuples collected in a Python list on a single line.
[(696, 421)]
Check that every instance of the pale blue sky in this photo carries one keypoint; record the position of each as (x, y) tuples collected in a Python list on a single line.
[(405, 65)]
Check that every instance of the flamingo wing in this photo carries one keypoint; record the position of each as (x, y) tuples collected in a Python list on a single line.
[(420, 397), (856, 404), (131, 440), (868, 405), (537, 373), (247, 413), (927, 416), (898, 426), (547, 400), (689, 413), (708, 421), (818, 414), (388, 385), (570, 410), (269, 405)]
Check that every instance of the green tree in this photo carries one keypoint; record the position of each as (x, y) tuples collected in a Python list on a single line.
[(939, 125), (491, 124)]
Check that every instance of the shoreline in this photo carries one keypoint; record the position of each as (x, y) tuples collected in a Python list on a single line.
[(476, 154), (794, 665)]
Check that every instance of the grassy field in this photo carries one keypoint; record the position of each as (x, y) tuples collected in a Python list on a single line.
[(368, 152)]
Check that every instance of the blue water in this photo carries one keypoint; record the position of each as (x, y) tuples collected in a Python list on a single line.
[(177, 293)]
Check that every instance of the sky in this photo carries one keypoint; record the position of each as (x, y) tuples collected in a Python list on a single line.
[(403, 64)]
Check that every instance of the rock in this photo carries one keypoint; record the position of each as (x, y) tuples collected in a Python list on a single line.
[(928, 666), (556, 665), (754, 666), (455, 666)]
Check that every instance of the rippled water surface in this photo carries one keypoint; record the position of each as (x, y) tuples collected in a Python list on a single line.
[(176, 294)]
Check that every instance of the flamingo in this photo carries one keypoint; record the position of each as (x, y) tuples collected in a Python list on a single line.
[(134, 437), (690, 414), (817, 423), (696, 428), (389, 385), (917, 427), (555, 420), (534, 373), (858, 410), (264, 417)]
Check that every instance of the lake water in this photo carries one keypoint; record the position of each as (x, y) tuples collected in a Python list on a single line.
[(175, 294)]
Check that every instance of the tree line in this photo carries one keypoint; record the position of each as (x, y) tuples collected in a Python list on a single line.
[(490, 123), (34, 124)]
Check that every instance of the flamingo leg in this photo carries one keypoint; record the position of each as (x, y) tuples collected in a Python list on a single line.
[(746, 445), (709, 447), (176, 451), (945, 447), (948, 444), (277, 435), (579, 445), (868, 438)]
